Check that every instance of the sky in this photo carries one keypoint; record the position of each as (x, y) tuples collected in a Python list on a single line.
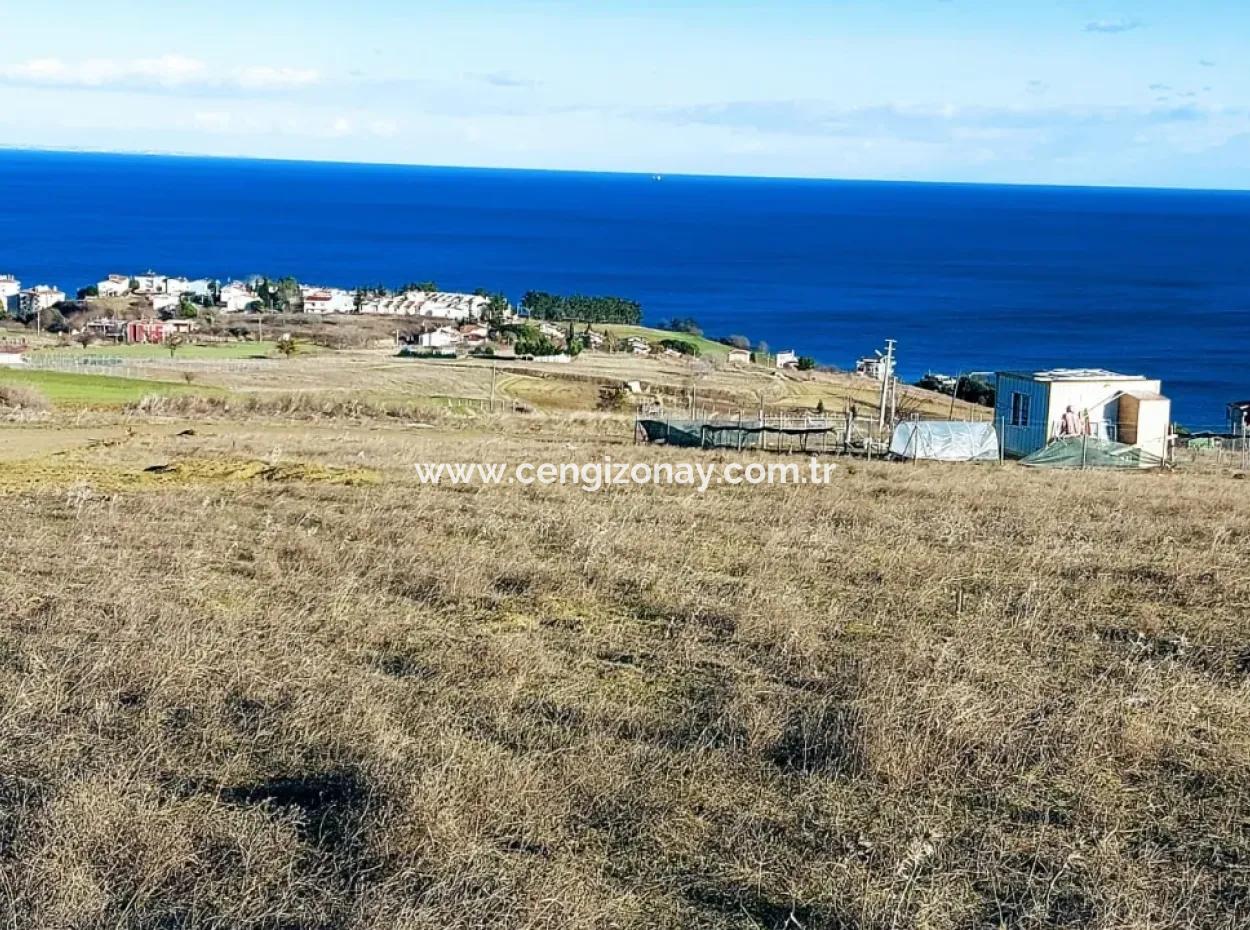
[(1086, 92)]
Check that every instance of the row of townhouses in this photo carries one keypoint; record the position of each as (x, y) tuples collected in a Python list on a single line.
[(237, 296), (165, 293)]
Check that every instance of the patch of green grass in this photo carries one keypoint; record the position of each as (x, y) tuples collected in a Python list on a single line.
[(68, 389), (225, 350), (708, 348)]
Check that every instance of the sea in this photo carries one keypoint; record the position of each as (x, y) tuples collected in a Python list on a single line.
[(965, 278)]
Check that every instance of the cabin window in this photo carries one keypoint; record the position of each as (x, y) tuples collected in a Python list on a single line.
[(1019, 409)]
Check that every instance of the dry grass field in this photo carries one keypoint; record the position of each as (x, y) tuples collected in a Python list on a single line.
[(253, 675), (379, 375)]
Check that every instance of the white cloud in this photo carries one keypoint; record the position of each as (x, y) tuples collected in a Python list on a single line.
[(166, 71), (166, 74), (1113, 25)]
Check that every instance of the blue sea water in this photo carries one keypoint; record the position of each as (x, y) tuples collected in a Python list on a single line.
[(965, 277)]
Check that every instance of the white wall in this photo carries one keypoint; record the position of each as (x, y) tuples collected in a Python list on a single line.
[(1099, 398)]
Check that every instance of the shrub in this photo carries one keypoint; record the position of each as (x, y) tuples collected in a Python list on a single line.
[(534, 343), (682, 324), (612, 396), (22, 397), (682, 346)]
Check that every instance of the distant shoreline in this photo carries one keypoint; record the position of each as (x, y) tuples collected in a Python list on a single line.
[(638, 174)]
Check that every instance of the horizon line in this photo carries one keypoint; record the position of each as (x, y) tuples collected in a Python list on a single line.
[(814, 179)]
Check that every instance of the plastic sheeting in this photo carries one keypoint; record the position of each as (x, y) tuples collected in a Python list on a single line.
[(945, 441), (1090, 452)]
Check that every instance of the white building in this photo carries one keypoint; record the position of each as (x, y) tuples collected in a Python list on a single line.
[(177, 286), (201, 288), (10, 287), (877, 367), (449, 306), (434, 304), (787, 359), (551, 331), (739, 357), (1030, 409), (162, 303), (474, 335), (236, 297), (150, 283), (441, 338), (115, 285), (328, 300), (39, 298)]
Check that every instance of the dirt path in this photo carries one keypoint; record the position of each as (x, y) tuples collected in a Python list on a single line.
[(35, 440)]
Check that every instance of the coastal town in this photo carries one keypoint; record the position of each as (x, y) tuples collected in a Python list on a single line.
[(1061, 416), (155, 308)]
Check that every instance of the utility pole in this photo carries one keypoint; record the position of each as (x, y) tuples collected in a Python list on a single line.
[(885, 382)]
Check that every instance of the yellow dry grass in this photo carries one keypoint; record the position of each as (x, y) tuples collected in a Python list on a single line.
[(919, 697), (379, 376), (85, 476)]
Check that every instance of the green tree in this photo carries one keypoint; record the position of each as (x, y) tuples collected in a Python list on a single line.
[(543, 306), (681, 345), (528, 340), (265, 294), (187, 309), (286, 345), (91, 290), (173, 342), (496, 310), (805, 363), (51, 320), (287, 297), (682, 324)]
